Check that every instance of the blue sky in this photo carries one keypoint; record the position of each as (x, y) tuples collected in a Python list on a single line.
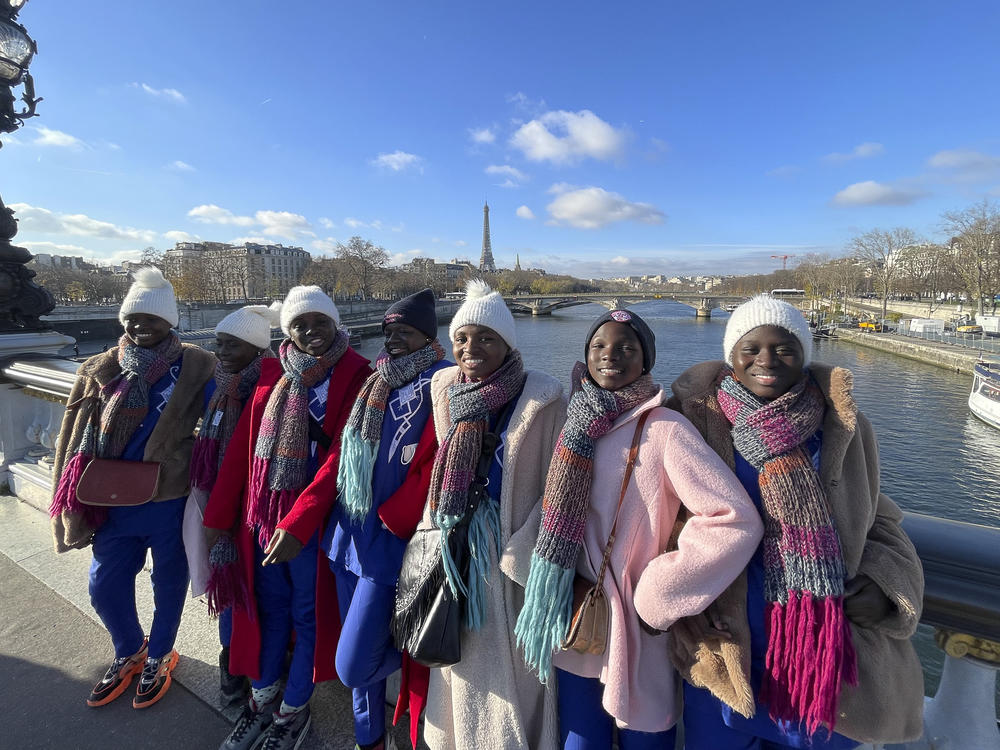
[(608, 138)]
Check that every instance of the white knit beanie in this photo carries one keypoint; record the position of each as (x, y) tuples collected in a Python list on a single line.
[(252, 324), (484, 307), (150, 294), (307, 299), (765, 310)]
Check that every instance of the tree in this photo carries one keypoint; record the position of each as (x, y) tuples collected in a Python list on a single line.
[(882, 253), (363, 261), (325, 273), (929, 269), (975, 246)]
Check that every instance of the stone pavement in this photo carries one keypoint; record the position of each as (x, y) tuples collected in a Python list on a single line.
[(53, 649)]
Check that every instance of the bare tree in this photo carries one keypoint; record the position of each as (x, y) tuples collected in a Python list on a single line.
[(975, 244), (363, 261), (882, 252)]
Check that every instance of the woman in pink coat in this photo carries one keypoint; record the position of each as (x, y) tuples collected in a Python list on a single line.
[(631, 684)]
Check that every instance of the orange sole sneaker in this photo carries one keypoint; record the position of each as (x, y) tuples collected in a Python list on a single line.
[(144, 698), (114, 684)]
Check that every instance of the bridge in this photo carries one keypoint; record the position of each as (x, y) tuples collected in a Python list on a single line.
[(545, 304)]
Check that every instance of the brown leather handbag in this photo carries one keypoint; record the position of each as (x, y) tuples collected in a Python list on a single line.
[(111, 482), (588, 630)]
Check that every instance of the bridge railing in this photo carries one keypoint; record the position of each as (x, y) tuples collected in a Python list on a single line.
[(961, 560)]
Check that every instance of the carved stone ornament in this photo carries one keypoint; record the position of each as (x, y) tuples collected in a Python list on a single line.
[(22, 301), (960, 645)]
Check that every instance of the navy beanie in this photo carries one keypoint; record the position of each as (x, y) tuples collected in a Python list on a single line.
[(637, 324), (417, 310)]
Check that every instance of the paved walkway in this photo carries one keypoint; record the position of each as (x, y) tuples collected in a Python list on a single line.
[(53, 649)]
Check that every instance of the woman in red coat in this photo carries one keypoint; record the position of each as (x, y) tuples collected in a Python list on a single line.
[(276, 486)]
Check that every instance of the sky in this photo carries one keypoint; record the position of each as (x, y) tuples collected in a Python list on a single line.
[(609, 139)]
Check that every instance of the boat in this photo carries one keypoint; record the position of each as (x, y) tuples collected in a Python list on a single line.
[(984, 399)]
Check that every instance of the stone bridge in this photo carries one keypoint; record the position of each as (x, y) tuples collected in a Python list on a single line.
[(545, 304)]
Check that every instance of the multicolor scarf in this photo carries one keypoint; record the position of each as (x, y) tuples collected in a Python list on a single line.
[(359, 442), (809, 647), (279, 470), (470, 404), (548, 596), (125, 402)]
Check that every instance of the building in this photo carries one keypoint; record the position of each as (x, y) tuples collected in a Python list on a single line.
[(65, 262), (440, 275), (229, 273), (486, 263)]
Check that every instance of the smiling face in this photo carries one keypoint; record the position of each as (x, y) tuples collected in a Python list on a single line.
[(234, 353), (402, 339), (768, 360), (614, 356), (479, 351), (146, 330), (312, 332)]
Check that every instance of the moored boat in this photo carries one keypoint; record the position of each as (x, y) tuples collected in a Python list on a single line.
[(984, 399)]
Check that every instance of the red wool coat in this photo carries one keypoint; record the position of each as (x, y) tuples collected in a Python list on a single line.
[(227, 507)]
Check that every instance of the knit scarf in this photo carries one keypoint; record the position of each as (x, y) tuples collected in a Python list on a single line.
[(219, 421), (359, 442), (548, 596), (809, 646), (279, 470), (470, 405), (125, 402)]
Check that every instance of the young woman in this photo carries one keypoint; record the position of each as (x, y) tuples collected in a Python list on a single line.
[(489, 699), (242, 341), (276, 487), (811, 647), (139, 401), (651, 580)]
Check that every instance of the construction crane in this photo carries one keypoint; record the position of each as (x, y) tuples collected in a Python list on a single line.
[(784, 260)]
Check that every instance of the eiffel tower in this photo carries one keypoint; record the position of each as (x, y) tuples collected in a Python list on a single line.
[(486, 260)]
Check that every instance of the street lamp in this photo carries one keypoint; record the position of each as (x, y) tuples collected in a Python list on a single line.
[(22, 301)]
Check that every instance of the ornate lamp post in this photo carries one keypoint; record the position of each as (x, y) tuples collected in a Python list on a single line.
[(22, 302)]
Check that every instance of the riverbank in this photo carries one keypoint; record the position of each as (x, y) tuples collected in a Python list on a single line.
[(948, 356)]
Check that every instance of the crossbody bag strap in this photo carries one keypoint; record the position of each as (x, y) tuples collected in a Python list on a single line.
[(632, 453), (490, 440)]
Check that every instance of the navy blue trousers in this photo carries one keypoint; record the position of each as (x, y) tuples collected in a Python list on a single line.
[(120, 546), (366, 654)]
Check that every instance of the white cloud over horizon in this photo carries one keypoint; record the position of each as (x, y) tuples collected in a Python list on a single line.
[(209, 213), (168, 94), (594, 207), (398, 161), (564, 138), (514, 176), (872, 193), (41, 220), (965, 165), (57, 138), (178, 235), (864, 150)]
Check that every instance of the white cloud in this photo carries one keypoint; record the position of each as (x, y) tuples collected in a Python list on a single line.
[(397, 161), (482, 135), (49, 137), (514, 176), (53, 248), (283, 224), (864, 150), (209, 213), (35, 219), (326, 246), (254, 239), (326, 223), (180, 166), (377, 224), (398, 259), (564, 137), (594, 207), (172, 95), (354, 223), (523, 212), (620, 260), (871, 193), (965, 165), (177, 235)]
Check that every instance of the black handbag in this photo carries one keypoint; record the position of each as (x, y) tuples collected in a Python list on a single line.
[(427, 615)]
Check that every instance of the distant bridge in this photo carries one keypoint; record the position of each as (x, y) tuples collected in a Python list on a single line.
[(544, 304)]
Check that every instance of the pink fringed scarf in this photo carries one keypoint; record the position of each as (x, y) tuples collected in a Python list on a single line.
[(809, 648)]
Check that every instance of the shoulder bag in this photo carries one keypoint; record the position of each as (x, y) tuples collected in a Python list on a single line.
[(113, 482)]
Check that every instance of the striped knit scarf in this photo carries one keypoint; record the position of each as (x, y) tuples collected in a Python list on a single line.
[(125, 404), (219, 421), (809, 646), (548, 596), (279, 470), (470, 405), (360, 440)]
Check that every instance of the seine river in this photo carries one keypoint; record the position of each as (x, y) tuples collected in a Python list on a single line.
[(936, 457)]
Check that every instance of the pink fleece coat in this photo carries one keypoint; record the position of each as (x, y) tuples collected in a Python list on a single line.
[(674, 467)]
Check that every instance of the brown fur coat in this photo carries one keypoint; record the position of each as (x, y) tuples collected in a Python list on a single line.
[(887, 703)]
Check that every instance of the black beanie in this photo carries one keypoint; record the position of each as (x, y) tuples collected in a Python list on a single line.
[(637, 324), (417, 310)]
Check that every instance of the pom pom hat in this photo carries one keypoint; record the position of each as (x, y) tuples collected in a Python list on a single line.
[(150, 294), (307, 299), (484, 307), (765, 310), (252, 324), (417, 310)]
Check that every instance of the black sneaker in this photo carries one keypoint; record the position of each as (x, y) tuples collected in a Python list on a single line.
[(155, 680), (117, 678), (250, 727), (231, 686), (287, 733)]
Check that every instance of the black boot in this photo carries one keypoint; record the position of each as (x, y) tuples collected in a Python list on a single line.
[(232, 686)]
